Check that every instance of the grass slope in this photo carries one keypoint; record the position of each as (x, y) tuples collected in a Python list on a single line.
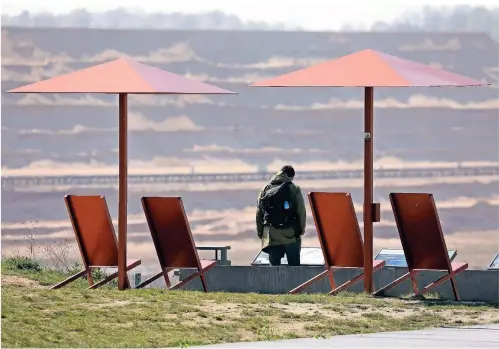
[(33, 316)]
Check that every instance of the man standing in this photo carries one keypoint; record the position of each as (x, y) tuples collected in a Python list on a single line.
[(281, 218)]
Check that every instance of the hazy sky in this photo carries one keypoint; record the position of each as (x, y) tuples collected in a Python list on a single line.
[(309, 14)]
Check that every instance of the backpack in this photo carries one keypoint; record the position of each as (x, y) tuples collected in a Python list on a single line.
[(277, 206)]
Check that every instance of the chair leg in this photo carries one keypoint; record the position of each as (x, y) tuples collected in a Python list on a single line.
[(396, 282), (414, 284), (327, 272), (188, 279), (104, 281), (191, 277), (332, 283), (454, 289), (203, 281), (70, 279), (114, 276), (347, 284), (90, 279), (167, 278), (441, 281), (151, 279), (355, 280)]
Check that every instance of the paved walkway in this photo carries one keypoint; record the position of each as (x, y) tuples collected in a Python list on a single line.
[(484, 336)]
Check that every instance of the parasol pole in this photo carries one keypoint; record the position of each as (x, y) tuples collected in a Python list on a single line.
[(122, 189), (368, 188)]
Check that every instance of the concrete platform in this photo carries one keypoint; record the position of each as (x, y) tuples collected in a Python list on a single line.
[(473, 285), (484, 336)]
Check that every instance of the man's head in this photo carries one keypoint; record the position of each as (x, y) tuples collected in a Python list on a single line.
[(288, 170)]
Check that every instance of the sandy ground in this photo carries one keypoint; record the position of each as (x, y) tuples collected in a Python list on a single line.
[(233, 311), (294, 311), (19, 281)]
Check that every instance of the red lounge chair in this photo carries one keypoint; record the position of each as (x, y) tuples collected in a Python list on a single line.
[(96, 239), (339, 235), (422, 240), (173, 240)]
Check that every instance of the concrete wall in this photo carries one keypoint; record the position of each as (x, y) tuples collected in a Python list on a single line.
[(473, 285)]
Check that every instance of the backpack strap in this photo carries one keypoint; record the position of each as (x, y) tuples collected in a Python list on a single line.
[(264, 191)]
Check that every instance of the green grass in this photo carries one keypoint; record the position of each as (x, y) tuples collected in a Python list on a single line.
[(33, 270), (33, 316)]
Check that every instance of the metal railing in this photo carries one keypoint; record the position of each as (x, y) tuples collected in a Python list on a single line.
[(223, 253)]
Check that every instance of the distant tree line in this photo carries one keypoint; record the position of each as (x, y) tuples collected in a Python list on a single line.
[(446, 19), (122, 18), (429, 18)]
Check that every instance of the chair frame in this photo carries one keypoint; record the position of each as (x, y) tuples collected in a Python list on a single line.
[(330, 267), (68, 199), (452, 268), (202, 266)]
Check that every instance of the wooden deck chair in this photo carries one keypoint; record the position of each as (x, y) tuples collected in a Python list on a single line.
[(422, 241), (96, 239), (173, 240), (339, 235)]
